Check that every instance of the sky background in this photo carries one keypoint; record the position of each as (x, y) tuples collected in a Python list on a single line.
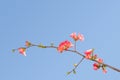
[(46, 21)]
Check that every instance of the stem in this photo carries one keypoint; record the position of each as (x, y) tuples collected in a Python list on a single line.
[(118, 70), (76, 65), (76, 52), (75, 46), (79, 63)]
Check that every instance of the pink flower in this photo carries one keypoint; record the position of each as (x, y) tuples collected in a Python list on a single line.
[(88, 53), (74, 36), (22, 51), (104, 70), (77, 37), (64, 46), (27, 43), (99, 60), (96, 66), (80, 37)]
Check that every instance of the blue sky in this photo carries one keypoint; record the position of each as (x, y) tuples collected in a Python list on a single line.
[(46, 21)]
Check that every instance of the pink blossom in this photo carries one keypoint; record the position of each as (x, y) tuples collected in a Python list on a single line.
[(77, 37), (22, 51), (64, 46), (99, 60), (80, 37), (96, 66), (88, 53), (27, 43)]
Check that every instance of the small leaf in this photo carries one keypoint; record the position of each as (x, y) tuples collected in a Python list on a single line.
[(41, 46), (75, 65), (74, 71), (13, 50), (68, 73), (103, 66)]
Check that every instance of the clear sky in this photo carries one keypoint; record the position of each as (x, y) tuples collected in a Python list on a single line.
[(46, 21)]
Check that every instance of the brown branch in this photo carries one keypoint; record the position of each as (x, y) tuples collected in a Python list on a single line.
[(116, 69)]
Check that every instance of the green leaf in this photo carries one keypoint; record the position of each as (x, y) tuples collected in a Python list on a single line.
[(75, 65), (68, 73), (104, 66), (13, 50), (41, 46), (74, 71)]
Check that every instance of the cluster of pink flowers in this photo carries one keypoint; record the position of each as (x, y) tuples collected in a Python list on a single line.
[(96, 66), (64, 45), (89, 55), (77, 37)]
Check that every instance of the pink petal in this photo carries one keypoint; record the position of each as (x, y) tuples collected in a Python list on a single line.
[(80, 37)]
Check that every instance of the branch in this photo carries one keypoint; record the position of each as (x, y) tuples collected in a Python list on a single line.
[(65, 45), (74, 51)]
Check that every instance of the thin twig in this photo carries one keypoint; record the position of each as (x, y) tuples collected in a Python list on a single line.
[(75, 66), (75, 45), (79, 63)]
